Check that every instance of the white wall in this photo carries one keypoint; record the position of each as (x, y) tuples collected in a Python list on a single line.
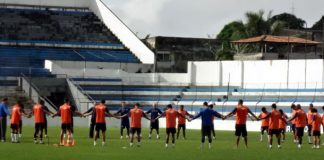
[(259, 74)]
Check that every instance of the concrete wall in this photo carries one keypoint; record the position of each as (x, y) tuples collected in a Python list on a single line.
[(259, 74)]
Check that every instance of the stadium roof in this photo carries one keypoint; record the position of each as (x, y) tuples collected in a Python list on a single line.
[(276, 39)]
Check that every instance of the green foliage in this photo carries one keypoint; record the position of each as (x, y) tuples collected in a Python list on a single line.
[(319, 24), (289, 20)]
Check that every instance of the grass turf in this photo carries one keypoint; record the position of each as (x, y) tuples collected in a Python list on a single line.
[(223, 148)]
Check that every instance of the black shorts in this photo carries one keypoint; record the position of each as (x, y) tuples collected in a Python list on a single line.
[(66, 126), (155, 125), (309, 129), (101, 126), (182, 126), (14, 126), (136, 130), (39, 126), (124, 125), (282, 130), (206, 130), (317, 133), (274, 131), (171, 130), (265, 128), (300, 131), (293, 127), (240, 130)]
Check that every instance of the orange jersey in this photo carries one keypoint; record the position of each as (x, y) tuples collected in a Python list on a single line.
[(182, 120), (294, 120), (15, 115), (323, 120), (38, 113), (317, 120), (301, 118), (309, 117), (274, 119), (171, 118), (136, 115), (66, 114), (265, 122), (241, 114), (100, 113), (282, 124)]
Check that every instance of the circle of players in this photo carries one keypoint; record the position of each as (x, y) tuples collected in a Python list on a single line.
[(273, 123)]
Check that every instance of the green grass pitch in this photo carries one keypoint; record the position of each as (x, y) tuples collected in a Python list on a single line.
[(116, 149)]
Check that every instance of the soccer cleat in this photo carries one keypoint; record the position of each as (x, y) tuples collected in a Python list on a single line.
[(103, 143), (131, 144), (318, 147), (209, 145), (299, 146), (314, 147), (20, 135), (166, 146), (279, 146), (41, 142), (3, 141), (270, 146), (45, 135), (127, 136), (94, 143), (121, 137), (35, 142), (157, 137), (214, 138), (150, 136)]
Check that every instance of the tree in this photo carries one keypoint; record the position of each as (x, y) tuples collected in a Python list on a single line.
[(319, 24), (289, 20)]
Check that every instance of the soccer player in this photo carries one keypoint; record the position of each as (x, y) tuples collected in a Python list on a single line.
[(182, 121), (241, 112), (316, 122), (211, 106), (323, 122), (4, 112), (171, 118), (264, 123), (66, 112), (15, 121), (45, 108), (155, 112), (125, 120), (92, 120), (101, 111), (274, 118), (282, 124), (136, 115), (301, 122), (22, 110), (293, 123), (309, 124), (39, 118), (206, 115)]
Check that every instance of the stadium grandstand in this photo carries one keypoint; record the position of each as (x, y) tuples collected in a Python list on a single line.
[(57, 49)]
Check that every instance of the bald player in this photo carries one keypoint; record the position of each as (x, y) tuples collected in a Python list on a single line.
[(15, 120), (154, 112), (182, 121), (309, 123), (171, 118), (300, 118), (293, 123), (283, 124), (264, 123), (241, 112), (316, 121)]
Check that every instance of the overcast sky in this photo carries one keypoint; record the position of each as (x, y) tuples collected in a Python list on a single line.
[(199, 18)]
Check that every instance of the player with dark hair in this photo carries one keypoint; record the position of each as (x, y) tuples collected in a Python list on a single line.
[(66, 112), (39, 117), (211, 106), (206, 115), (293, 123), (100, 111), (136, 115), (182, 121), (4, 113), (92, 120), (264, 123), (309, 124), (125, 120), (282, 124), (171, 118), (274, 118), (15, 121), (301, 122), (241, 112), (316, 121), (155, 112)]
